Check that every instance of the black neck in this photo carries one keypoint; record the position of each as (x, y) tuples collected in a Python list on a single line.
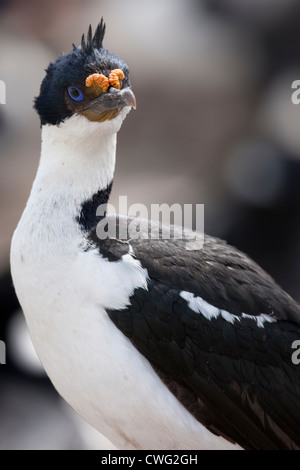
[(87, 217)]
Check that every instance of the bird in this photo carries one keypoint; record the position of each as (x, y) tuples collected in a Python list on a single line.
[(155, 345)]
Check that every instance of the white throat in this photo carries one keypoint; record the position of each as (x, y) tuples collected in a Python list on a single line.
[(77, 157)]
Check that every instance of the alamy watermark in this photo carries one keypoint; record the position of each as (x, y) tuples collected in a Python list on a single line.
[(295, 97), (296, 354), (2, 92), (2, 353), (163, 221)]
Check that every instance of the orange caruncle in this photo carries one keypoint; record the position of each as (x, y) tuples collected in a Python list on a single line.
[(98, 80), (115, 77)]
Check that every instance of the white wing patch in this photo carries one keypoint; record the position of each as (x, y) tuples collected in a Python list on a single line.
[(198, 305)]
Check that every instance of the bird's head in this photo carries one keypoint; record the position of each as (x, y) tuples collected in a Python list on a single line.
[(89, 81)]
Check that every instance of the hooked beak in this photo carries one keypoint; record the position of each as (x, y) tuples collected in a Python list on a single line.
[(108, 105)]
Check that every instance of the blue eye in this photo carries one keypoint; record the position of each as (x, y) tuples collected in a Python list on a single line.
[(75, 93)]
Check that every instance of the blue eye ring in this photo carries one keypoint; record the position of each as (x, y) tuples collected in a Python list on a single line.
[(75, 93)]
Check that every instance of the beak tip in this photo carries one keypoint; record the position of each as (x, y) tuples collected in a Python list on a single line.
[(132, 100)]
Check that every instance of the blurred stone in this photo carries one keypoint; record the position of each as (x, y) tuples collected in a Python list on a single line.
[(278, 117), (34, 417), (256, 173), (263, 12)]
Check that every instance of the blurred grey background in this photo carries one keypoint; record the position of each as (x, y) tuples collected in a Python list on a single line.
[(214, 125)]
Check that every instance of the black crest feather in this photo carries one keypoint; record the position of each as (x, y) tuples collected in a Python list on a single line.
[(93, 42)]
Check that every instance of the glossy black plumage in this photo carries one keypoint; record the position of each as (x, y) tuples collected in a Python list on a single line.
[(86, 218), (236, 378)]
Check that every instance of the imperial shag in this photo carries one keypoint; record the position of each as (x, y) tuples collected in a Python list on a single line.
[(155, 345)]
